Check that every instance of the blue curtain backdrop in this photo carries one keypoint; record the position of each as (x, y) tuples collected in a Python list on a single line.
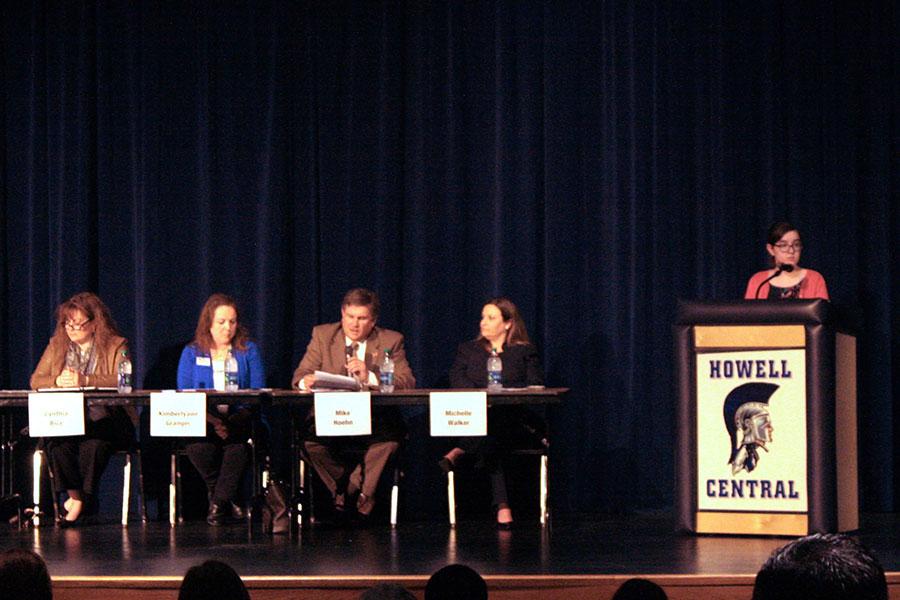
[(594, 161)]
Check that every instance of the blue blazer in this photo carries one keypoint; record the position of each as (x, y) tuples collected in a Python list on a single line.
[(193, 376)]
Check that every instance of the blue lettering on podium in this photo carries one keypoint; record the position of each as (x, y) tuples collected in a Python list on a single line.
[(751, 488), (748, 369)]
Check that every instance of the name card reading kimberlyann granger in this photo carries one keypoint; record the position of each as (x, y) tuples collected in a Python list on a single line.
[(177, 414), (458, 413), (343, 413), (53, 414)]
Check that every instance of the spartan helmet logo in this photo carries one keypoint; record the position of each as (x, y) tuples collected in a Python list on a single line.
[(746, 413)]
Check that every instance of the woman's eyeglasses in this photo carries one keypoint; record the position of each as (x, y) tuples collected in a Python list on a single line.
[(73, 326), (787, 246)]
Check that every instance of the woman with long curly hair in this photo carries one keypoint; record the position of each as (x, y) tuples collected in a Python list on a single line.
[(85, 351)]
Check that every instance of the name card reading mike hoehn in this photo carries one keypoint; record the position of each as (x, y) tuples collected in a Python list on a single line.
[(343, 413)]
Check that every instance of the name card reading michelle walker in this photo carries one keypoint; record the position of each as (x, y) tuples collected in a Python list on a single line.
[(177, 414), (343, 413), (53, 414), (458, 413)]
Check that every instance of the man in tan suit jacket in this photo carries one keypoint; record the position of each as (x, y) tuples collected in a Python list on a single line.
[(355, 346)]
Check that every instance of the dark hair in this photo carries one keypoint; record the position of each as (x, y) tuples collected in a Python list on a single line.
[(203, 339), (639, 589), (362, 297), (24, 576), (387, 591), (821, 567), (777, 231), (96, 312), (456, 582), (212, 580), (517, 333)]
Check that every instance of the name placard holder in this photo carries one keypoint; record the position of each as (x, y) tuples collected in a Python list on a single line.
[(55, 414), (177, 414), (458, 414), (343, 413)]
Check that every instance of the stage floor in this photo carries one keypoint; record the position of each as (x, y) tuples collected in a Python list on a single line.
[(607, 545)]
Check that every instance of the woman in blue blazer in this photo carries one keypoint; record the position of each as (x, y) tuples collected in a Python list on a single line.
[(222, 456)]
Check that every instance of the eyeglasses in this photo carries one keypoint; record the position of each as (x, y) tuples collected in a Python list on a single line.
[(787, 247), (73, 326)]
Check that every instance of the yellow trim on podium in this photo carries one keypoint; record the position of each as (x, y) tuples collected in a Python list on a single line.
[(749, 336), (752, 523)]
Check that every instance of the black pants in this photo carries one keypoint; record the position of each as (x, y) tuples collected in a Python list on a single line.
[(79, 461), (487, 457), (221, 464), (509, 427)]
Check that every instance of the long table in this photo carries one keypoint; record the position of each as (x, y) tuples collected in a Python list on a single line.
[(10, 400), (413, 397)]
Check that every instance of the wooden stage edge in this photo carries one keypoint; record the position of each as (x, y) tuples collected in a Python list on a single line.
[(501, 587)]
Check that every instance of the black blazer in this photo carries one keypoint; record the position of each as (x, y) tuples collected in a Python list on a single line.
[(521, 366)]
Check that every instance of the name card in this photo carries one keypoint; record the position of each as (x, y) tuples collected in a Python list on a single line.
[(177, 414), (458, 413), (54, 414), (343, 413)]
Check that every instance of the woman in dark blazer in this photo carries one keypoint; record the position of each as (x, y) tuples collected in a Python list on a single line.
[(222, 456), (503, 330)]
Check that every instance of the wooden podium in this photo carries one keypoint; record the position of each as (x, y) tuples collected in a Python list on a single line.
[(766, 422)]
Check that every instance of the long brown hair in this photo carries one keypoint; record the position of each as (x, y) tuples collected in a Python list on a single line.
[(97, 313), (203, 339), (517, 333)]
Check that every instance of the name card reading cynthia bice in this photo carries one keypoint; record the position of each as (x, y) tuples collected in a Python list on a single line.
[(53, 414), (177, 414), (458, 413), (343, 413)]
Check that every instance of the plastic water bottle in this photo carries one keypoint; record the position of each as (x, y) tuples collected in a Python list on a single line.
[(386, 373), (124, 381), (231, 373), (494, 372)]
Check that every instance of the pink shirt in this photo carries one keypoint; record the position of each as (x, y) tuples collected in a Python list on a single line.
[(811, 286)]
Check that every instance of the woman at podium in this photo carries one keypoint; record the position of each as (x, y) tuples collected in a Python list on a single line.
[(85, 351), (785, 279), (501, 329), (221, 458)]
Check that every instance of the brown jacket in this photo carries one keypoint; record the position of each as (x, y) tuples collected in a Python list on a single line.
[(326, 352), (106, 373)]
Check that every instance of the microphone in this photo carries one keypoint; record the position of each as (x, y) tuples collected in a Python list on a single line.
[(779, 269), (348, 353)]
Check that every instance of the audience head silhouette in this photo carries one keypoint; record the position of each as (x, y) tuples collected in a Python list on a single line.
[(212, 580), (456, 582), (639, 589), (24, 576), (821, 567)]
